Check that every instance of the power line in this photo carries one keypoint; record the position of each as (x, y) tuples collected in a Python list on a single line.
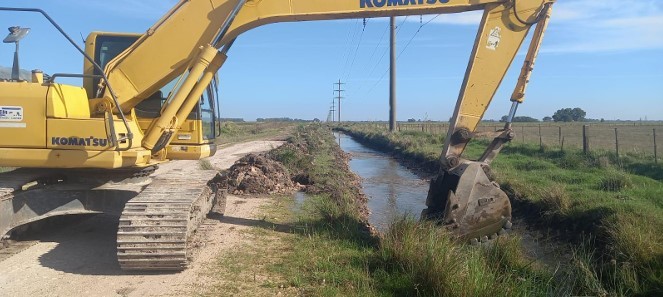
[(387, 49), (384, 33), (402, 51), (415, 34), (354, 58), (348, 46), (384, 53)]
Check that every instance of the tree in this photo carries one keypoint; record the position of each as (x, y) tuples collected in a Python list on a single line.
[(569, 115), (521, 119), (547, 119), (411, 121)]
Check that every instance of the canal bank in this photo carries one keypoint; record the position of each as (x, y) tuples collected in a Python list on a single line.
[(607, 217), (393, 191), (409, 258)]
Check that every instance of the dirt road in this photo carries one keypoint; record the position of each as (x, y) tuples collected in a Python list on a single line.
[(79, 260)]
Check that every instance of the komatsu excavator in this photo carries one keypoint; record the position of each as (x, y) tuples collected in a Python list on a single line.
[(151, 98)]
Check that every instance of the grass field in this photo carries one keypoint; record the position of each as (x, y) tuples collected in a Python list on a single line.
[(333, 254), (611, 210), (232, 132), (635, 139)]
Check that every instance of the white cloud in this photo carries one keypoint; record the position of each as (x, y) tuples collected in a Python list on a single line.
[(590, 26), (465, 18)]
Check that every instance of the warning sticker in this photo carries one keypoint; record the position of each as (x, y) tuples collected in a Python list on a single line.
[(494, 38), (11, 113)]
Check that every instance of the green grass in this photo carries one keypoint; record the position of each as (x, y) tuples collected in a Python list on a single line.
[(611, 207), (239, 132), (634, 138), (333, 253)]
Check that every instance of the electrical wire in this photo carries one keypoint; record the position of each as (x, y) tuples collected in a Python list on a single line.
[(384, 33), (347, 45), (384, 53), (354, 58), (415, 35), (402, 51)]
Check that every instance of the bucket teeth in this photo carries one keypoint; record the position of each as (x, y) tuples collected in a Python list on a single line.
[(468, 202)]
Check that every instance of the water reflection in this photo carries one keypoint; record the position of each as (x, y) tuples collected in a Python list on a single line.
[(392, 189)]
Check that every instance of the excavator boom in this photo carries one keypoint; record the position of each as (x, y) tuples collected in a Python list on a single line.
[(134, 75), (100, 126)]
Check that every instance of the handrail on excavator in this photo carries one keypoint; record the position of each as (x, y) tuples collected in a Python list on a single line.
[(114, 139)]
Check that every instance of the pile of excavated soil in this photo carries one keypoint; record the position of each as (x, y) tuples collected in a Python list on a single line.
[(257, 174)]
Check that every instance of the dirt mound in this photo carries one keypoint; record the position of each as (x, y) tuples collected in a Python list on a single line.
[(257, 174)]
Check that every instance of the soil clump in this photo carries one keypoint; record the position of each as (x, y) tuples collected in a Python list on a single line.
[(257, 174)]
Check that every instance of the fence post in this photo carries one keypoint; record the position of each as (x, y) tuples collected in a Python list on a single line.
[(560, 134), (655, 148), (585, 139), (523, 127), (617, 143), (563, 138), (540, 138)]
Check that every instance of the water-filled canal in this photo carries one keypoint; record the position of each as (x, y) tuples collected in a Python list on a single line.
[(392, 189)]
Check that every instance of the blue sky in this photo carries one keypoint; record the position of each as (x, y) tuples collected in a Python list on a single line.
[(603, 56)]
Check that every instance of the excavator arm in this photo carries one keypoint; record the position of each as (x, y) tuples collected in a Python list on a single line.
[(201, 27), (192, 41), (463, 196), (87, 155)]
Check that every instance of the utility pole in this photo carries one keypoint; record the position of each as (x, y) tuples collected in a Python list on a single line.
[(339, 96), (331, 117), (392, 82)]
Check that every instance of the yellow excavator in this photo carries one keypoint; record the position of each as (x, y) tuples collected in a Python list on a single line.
[(151, 98)]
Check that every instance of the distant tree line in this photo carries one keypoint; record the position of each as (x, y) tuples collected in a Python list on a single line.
[(562, 115), (234, 120), (262, 120), (519, 119)]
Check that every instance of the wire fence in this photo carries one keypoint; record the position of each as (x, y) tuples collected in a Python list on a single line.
[(642, 140)]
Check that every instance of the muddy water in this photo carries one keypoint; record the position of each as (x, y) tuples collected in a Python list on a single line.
[(392, 189)]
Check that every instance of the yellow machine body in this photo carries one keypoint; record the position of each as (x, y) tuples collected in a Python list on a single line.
[(52, 128), (193, 142), (145, 95)]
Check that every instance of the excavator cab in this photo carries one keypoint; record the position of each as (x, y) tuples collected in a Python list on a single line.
[(196, 138), (152, 97)]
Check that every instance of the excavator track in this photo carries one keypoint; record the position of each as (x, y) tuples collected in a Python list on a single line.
[(156, 225)]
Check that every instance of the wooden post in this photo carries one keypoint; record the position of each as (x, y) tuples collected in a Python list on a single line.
[(585, 139), (655, 148), (617, 143), (523, 127), (540, 138), (560, 134), (563, 144)]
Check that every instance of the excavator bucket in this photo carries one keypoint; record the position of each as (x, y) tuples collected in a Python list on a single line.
[(468, 202)]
